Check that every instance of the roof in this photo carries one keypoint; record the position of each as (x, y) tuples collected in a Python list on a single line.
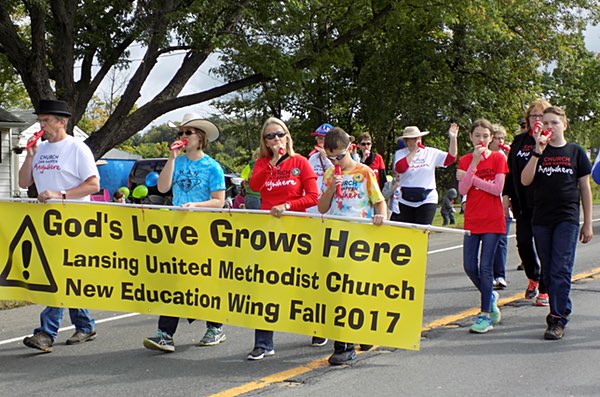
[(8, 118), (116, 154)]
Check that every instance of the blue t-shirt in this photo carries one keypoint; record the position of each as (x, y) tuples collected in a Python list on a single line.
[(194, 181)]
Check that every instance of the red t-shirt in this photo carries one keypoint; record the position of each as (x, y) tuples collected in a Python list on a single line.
[(484, 212), (293, 181)]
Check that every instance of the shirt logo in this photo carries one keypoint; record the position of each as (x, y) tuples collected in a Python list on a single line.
[(296, 171)]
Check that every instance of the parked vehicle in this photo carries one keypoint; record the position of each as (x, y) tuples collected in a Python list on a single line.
[(142, 167)]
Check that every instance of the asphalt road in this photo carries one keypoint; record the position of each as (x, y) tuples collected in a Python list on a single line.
[(513, 359)]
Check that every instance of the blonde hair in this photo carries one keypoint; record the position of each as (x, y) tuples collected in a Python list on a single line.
[(538, 103), (265, 150)]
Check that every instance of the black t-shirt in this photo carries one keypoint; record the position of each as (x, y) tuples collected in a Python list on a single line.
[(556, 187), (520, 152)]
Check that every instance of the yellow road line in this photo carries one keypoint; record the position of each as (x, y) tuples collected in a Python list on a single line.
[(322, 362)]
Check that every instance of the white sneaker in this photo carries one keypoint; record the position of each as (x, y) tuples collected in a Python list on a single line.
[(500, 283)]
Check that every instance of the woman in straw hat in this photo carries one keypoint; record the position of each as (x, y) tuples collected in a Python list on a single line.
[(197, 181), (416, 165)]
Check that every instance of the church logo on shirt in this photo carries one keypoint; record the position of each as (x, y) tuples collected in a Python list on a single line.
[(296, 171), (358, 178)]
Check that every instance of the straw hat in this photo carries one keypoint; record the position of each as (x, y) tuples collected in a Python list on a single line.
[(195, 121), (412, 132)]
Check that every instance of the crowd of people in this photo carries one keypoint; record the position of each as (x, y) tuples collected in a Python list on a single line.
[(540, 180)]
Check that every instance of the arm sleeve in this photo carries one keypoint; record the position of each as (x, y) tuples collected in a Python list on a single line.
[(401, 165), (465, 183), (260, 173), (449, 160), (311, 192), (492, 187)]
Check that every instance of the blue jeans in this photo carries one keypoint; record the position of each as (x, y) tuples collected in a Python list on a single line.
[(51, 317), (502, 253), (263, 339), (555, 246), (480, 271)]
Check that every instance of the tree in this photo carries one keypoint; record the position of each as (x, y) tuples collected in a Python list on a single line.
[(12, 92), (94, 36)]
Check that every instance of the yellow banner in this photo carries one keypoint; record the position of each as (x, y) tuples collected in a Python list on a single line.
[(337, 279)]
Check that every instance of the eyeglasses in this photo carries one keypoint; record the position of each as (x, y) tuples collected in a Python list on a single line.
[(536, 116), (272, 135), (188, 133), (500, 138), (366, 143)]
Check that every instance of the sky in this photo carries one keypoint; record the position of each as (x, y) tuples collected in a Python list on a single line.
[(204, 80)]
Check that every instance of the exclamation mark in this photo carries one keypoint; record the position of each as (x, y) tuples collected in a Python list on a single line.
[(26, 255)]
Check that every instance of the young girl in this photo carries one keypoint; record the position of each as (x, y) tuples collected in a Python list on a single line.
[(481, 175), (559, 173)]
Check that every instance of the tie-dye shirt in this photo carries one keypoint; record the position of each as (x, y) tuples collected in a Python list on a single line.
[(195, 180), (360, 192)]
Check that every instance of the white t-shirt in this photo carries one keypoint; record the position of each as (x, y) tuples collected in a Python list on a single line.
[(319, 165), (421, 172), (63, 165)]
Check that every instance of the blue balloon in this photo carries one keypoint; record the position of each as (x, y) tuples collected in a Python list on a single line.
[(152, 179)]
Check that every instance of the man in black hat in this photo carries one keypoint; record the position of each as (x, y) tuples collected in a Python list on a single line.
[(62, 168)]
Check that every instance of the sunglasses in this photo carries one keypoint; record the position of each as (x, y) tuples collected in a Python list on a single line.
[(272, 135), (339, 156), (365, 143), (188, 133)]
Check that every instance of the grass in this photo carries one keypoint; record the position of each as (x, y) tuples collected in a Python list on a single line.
[(458, 217), (4, 305)]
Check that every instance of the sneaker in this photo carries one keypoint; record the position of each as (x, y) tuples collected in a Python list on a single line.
[(344, 357), (481, 325), (495, 314), (317, 341), (259, 353), (500, 283), (365, 348), (213, 336), (555, 330), (80, 337), (532, 290), (542, 300), (162, 341), (41, 341)]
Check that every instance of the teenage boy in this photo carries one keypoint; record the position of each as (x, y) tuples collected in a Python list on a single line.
[(352, 191), (558, 172)]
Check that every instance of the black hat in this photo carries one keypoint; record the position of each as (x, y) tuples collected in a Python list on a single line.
[(51, 106)]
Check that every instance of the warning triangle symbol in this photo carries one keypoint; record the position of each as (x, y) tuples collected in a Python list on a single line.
[(27, 266)]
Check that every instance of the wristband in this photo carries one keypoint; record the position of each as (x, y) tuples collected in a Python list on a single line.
[(287, 206), (535, 154)]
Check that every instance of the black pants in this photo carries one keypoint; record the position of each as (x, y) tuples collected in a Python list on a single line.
[(526, 249), (169, 324), (421, 215)]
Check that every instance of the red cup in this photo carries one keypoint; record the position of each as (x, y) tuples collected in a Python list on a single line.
[(178, 144), (548, 134), (338, 188), (483, 156), (34, 138)]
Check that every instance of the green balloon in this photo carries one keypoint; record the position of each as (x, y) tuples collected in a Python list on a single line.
[(125, 191), (140, 192)]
